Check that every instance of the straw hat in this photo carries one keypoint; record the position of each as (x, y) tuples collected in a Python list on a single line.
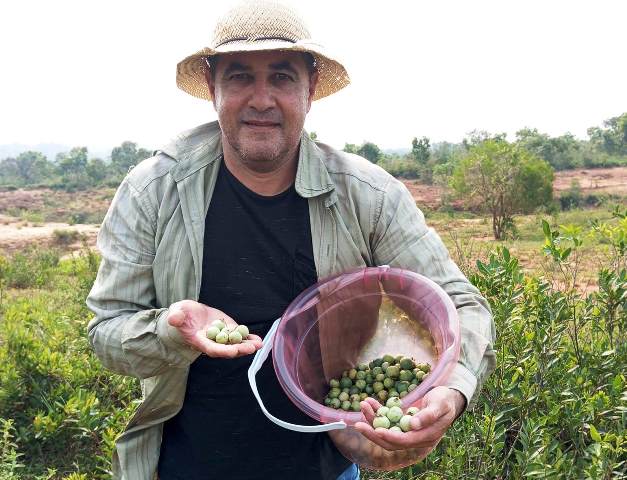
[(255, 26)]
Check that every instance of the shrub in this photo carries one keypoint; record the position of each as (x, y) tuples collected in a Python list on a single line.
[(65, 237)]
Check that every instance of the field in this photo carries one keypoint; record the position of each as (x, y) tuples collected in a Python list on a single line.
[(555, 408)]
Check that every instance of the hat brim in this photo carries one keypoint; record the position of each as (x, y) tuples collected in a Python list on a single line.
[(190, 72)]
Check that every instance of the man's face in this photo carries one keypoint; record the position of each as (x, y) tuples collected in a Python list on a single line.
[(262, 99)]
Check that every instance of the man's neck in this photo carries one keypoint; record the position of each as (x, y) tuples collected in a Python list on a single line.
[(263, 183)]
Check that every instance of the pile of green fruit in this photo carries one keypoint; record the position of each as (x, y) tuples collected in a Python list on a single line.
[(391, 416), (220, 333), (381, 379)]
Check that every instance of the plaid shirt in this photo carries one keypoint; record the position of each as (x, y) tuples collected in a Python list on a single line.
[(151, 242)]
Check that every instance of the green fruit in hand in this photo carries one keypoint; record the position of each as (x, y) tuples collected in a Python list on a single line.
[(355, 407), (360, 384), (425, 367), (407, 363), (415, 382), (393, 371), (327, 401), (212, 333), (394, 414), (412, 410), (384, 367), (381, 422), (369, 379), (393, 402), (235, 337), (396, 428), (222, 337), (398, 359), (334, 392), (388, 358), (335, 403), (346, 382), (362, 367), (347, 390), (382, 411), (412, 387), (369, 389), (361, 375), (393, 393), (343, 396), (420, 375), (346, 406), (404, 423), (401, 386), (406, 375), (334, 383), (377, 362), (243, 331), (219, 324)]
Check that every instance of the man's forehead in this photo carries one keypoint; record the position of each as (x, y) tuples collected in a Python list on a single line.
[(272, 59)]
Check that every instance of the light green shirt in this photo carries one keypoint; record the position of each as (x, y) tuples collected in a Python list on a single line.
[(151, 242)]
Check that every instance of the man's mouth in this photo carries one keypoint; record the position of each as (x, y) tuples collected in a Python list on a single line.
[(260, 124)]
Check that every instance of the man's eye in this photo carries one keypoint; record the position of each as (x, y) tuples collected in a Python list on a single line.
[(282, 77), (239, 76)]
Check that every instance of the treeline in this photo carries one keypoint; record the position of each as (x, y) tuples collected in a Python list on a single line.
[(73, 170), (605, 147)]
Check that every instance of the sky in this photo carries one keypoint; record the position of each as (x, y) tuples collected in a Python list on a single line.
[(97, 73)]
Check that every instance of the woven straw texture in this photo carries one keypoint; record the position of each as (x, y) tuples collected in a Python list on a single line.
[(256, 26)]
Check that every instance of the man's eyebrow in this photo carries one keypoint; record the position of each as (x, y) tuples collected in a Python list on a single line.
[(236, 67), (284, 65)]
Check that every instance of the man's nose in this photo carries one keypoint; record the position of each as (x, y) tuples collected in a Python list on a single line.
[(262, 98)]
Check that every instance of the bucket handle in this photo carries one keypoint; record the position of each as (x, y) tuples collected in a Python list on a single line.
[(258, 361)]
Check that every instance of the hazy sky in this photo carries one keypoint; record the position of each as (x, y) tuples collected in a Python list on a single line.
[(98, 73)]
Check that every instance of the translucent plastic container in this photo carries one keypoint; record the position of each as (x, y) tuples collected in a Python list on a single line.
[(350, 319)]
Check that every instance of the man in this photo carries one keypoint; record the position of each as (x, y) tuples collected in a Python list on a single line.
[(233, 220)]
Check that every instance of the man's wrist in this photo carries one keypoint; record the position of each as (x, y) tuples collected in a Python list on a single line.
[(460, 402)]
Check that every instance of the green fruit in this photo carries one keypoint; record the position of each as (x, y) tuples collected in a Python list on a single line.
[(394, 414), (382, 395), (346, 382), (393, 371), (369, 389), (412, 387), (384, 366), (369, 379), (360, 384), (354, 390), (388, 358), (212, 333), (219, 324), (347, 390), (406, 375), (407, 363), (377, 387), (412, 410), (343, 396), (352, 373), (377, 362), (355, 398), (376, 371), (334, 392), (243, 331), (380, 377), (362, 367), (355, 407), (425, 367), (333, 383), (404, 423), (415, 381), (396, 428), (222, 337), (403, 394), (335, 403), (363, 396), (426, 375), (401, 386), (235, 337), (398, 359), (361, 375), (382, 411), (327, 401), (393, 402), (388, 383), (346, 406), (393, 393), (345, 374), (420, 375), (381, 422)]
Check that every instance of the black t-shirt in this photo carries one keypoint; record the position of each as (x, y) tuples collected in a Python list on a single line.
[(257, 258)]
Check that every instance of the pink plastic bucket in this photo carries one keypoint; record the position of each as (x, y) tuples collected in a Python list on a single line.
[(350, 319)]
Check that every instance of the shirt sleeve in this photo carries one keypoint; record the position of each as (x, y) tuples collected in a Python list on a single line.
[(402, 239), (130, 333)]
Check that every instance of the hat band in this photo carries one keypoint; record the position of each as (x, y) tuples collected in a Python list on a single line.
[(256, 39)]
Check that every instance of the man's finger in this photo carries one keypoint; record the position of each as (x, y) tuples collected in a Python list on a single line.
[(429, 415), (425, 438), (371, 434)]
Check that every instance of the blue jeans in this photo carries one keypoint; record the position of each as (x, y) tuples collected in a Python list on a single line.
[(351, 473)]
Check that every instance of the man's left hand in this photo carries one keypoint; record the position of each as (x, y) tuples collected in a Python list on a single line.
[(438, 409)]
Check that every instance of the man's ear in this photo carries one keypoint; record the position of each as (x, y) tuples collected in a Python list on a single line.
[(210, 83), (313, 83)]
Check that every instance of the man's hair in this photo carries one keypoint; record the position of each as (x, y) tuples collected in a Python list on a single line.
[(310, 63)]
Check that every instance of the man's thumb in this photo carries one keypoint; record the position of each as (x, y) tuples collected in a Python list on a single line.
[(176, 317)]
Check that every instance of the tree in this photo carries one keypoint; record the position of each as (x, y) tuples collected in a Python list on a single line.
[(421, 150), (612, 139), (72, 167), (370, 151), (502, 179), (126, 156), (561, 152), (350, 148), (26, 169), (313, 136), (96, 170)]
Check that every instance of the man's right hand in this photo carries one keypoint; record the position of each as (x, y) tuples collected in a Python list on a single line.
[(192, 319)]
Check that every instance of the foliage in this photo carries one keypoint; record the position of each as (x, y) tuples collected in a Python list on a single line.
[(502, 179), (612, 139), (563, 152), (367, 150)]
